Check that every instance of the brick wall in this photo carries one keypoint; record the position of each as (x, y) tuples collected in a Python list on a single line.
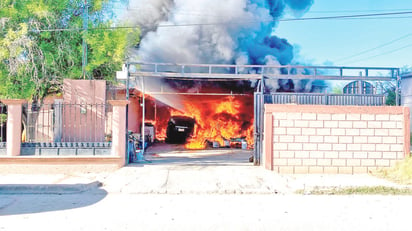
[(334, 139)]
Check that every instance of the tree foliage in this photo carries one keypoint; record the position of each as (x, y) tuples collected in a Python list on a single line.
[(34, 61)]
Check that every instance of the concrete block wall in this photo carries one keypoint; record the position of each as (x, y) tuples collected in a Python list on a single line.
[(334, 139)]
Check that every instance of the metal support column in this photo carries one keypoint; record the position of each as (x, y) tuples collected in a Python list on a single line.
[(398, 80), (256, 125), (127, 112), (260, 113), (143, 114)]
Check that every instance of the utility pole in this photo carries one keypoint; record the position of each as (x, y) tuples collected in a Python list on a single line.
[(84, 44)]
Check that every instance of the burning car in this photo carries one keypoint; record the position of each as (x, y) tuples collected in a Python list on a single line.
[(179, 128)]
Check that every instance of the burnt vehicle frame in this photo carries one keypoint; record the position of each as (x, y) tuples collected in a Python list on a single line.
[(179, 129)]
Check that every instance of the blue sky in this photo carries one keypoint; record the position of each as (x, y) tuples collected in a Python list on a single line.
[(330, 41)]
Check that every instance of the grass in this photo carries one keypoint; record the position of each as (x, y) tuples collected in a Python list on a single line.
[(401, 173), (364, 190)]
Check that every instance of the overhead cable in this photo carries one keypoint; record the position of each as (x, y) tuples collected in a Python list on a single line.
[(374, 48), (381, 54), (382, 15)]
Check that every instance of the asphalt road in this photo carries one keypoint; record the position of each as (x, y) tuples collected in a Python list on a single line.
[(97, 210)]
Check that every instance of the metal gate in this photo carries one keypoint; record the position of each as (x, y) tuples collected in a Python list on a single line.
[(258, 127)]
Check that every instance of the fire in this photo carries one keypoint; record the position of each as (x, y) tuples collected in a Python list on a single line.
[(218, 122), (218, 119), (231, 107)]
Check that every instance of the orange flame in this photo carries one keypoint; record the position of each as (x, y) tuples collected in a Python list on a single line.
[(217, 123), (217, 119)]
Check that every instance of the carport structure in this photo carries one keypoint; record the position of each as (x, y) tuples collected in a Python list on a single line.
[(140, 74)]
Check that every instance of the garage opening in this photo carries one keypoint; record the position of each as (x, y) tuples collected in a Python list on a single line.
[(206, 120), (191, 116)]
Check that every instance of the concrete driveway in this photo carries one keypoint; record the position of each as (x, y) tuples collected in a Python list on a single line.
[(204, 171)]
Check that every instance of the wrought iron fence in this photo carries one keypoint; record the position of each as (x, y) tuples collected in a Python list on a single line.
[(63, 122), (325, 99), (3, 123)]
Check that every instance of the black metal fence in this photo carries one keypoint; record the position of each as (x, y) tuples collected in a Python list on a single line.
[(3, 123), (62, 123), (325, 99), (3, 128)]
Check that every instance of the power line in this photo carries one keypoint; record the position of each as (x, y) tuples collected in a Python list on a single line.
[(222, 16), (357, 16), (346, 16), (386, 12), (385, 53), (354, 11), (309, 12), (374, 48), (374, 18)]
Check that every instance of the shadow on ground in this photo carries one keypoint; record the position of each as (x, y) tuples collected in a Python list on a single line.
[(29, 198)]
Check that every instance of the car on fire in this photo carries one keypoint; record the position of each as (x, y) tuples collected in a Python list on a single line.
[(179, 129)]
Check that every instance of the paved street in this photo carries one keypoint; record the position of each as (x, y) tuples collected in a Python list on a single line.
[(205, 190), (99, 211)]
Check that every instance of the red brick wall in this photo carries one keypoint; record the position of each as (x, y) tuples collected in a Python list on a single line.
[(334, 139)]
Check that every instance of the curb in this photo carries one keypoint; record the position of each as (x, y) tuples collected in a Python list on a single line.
[(48, 188)]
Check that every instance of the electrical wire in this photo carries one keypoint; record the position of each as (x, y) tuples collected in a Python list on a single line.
[(353, 11), (309, 12), (385, 53), (374, 48), (203, 15), (346, 16), (239, 22)]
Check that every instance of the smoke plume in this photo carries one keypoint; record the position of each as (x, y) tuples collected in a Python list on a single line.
[(213, 31)]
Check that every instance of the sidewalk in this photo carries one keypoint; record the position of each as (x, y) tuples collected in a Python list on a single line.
[(46, 183), (204, 172)]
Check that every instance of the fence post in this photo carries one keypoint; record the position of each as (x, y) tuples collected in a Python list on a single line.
[(58, 120), (119, 129), (14, 112)]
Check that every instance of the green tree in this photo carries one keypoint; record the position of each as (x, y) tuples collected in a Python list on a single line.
[(390, 97), (337, 89), (35, 57)]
